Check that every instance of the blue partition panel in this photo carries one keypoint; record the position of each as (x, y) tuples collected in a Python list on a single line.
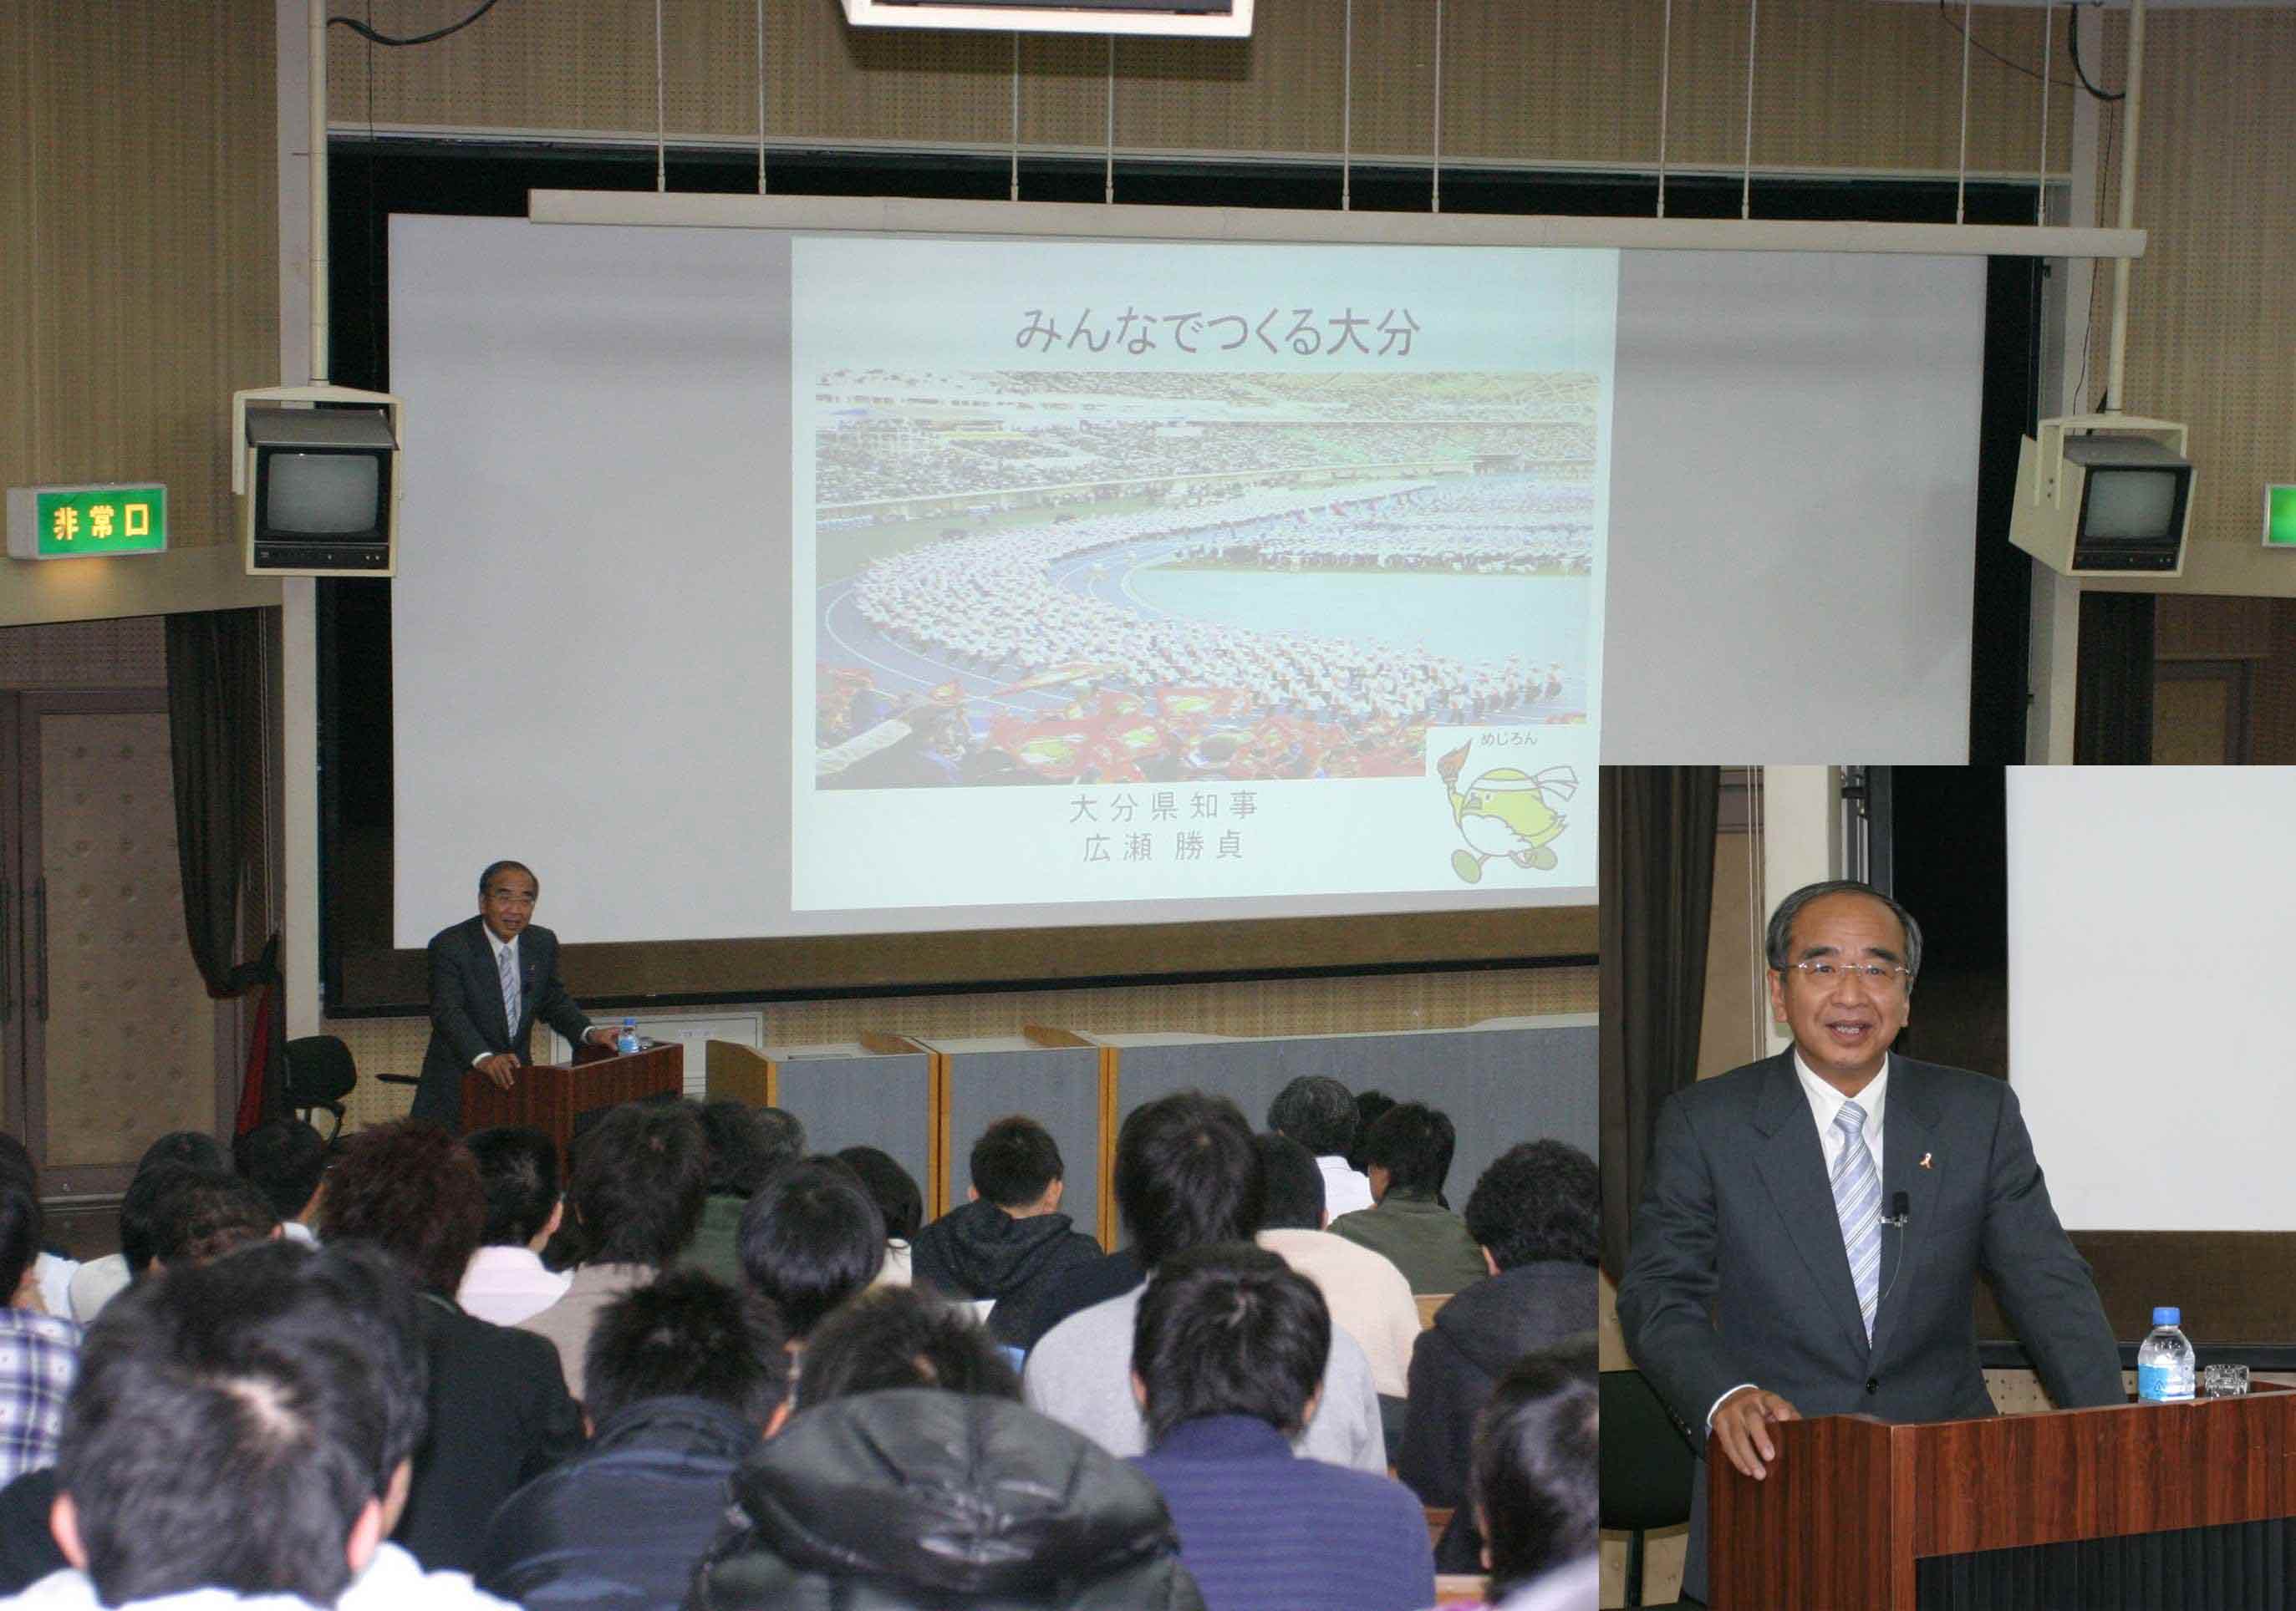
[(882, 1101), (1059, 1087)]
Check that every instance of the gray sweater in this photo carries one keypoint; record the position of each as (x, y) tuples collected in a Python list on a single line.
[(1080, 1374)]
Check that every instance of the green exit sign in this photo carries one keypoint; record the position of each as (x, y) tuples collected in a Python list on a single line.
[(2280, 517), (85, 522)]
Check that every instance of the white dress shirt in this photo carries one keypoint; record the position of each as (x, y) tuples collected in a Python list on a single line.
[(1825, 1103), (506, 1284)]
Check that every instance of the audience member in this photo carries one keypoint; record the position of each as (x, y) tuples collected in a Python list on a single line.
[(1010, 1241), (286, 1160), (203, 1214), (683, 1377), (899, 1199), (1187, 1175), (1318, 1112), (636, 1196), (1408, 1155), (743, 1146), (1535, 1213), (811, 1238), (53, 1271), (1370, 1106), (241, 1435), (100, 1279), (1367, 1295), (39, 1353), (902, 1337), (942, 1501), (1228, 1357), (499, 1412), (505, 1281), (1537, 1480)]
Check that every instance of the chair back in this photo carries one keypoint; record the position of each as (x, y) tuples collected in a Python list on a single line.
[(320, 1073), (1647, 1464), (1429, 1303)]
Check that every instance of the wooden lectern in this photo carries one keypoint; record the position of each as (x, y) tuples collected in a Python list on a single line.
[(1850, 1502), (548, 1095)]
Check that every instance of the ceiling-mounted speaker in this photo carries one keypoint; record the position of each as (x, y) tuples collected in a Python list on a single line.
[(1186, 19)]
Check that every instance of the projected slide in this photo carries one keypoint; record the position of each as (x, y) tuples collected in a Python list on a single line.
[(1133, 572)]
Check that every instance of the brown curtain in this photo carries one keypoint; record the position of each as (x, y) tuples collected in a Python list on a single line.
[(2112, 683), (1656, 891), (215, 727)]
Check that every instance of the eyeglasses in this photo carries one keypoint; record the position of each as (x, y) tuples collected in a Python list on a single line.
[(1881, 976)]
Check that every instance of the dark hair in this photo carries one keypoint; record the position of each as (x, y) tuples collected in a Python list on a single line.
[(16, 1163), (285, 1160), (1539, 1202), (638, 1184), (1295, 1182), (1369, 1106), (903, 1336), (192, 1148), (413, 1190), (1015, 1162), (232, 1420), (810, 1239), (687, 1335), (745, 1144), (518, 1169), (203, 1214), (1779, 936), (897, 1194), (22, 1226), (1413, 1142), (1536, 1474), (139, 1210), (1229, 1330), (1316, 1111), (488, 877), (1187, 1175)]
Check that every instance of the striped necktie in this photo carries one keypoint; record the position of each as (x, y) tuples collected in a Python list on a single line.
[(506, 965), (1858, 1204)]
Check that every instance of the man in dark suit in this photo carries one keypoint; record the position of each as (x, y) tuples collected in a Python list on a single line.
[(1814, 1224), (491, 977)]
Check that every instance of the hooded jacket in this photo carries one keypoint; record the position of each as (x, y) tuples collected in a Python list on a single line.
[(917, 1498), (980, 1251), (1475, 1338)]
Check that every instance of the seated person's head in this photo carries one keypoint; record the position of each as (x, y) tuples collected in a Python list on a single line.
[(895, 1189), (745, 1144), (203, 1214), (1538, 1202), (192, 1148), (638, 1184), (244, 1425), (1409, 1150), (1016, 1165), (178, 1149), (1187, 1175), (285, 1160), (1229, 1330), (1318, 1112), (1370, 1106), (413, 1190), (1295, 1184), (21, 1225), (518, 1169), (810, 1239), (902, 1337), (1536, 1479), (687, 1335)]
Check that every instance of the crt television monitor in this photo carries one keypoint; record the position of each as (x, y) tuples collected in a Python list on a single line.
[(2133, 501), (322, 490)]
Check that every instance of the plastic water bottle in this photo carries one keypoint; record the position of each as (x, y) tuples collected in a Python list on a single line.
[(626, 1042), (2164, 1362)]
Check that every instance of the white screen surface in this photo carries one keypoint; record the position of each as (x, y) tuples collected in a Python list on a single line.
[(649, 472), (2148, 955)]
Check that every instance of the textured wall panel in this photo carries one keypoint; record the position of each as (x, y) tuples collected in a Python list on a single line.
[(130, 1047), (127, 652)]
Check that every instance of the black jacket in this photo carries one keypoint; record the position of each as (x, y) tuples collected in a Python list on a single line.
[(917, 1498), (979, 1251), (1076, 1288), (1475, 1338), (500, 1416), (620, 1525)]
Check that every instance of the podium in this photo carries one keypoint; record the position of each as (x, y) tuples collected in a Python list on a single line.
[(549, 1096), (1852, 1503)]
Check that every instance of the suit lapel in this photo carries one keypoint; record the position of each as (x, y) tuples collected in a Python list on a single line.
[(1909, 1135), (1793, 1165), (482, 950)]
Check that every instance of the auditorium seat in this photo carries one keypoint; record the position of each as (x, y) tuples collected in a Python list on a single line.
[(1646, 1468), (1429, 1303)]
